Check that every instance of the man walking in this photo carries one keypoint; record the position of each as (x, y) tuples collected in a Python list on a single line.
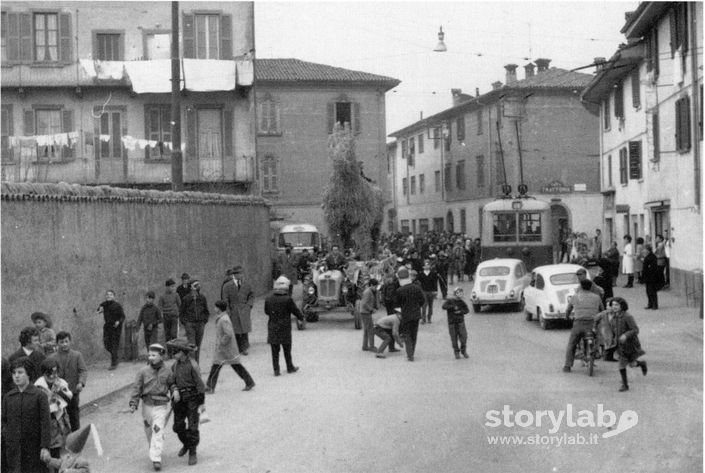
[(240, 298), (194, 316), (409, 297), (429, 285), (114, 318)]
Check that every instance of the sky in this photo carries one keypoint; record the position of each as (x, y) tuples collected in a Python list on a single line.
[(397, 39)]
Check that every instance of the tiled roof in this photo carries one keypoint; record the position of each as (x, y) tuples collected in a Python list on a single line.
[(296, 70), (554, 77)]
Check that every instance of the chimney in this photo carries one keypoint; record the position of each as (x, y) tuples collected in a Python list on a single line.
[(477, 91), (459, 97), (542, 65), (421, 115), (628, 16), (511, 73), (496, 85), (599, 63), (529, 70)]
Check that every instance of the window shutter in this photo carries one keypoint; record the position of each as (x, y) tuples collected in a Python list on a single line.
[(656, 138), (13, 36), (636, 89), (147, 127), (331, 117), (65, 42), (188, 40), (674, 31), (650, 51), (25, 37), (683, 125), (619, 101), (191, 134), (67, 124), (276, 116), (226, 37), (356, 117), (28, 122), (679, 125), (228, 132), (635, 160), (683, 25)]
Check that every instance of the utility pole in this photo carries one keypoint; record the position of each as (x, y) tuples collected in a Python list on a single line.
[(177, 167)]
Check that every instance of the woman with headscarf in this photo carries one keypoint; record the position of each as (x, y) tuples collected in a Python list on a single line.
[(279, 306)]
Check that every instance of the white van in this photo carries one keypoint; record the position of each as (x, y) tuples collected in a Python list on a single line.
[(300, 236)]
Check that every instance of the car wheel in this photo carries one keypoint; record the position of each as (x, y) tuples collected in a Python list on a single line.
[(476, 308), (542, 321), (527, 314)]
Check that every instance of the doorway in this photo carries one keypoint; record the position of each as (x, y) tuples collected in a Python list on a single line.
[(210, 149), (449, 220), (560, 228)]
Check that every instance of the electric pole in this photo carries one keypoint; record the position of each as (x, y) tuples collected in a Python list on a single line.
[(177, 169)]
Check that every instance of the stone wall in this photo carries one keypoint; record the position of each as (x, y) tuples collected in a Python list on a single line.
[(64, 245)]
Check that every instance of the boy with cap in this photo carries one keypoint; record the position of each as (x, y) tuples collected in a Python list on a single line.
[(169, 304), (189, 397), (456, 308), (150, 316), (47, 337), (153, 385), (185, 286)]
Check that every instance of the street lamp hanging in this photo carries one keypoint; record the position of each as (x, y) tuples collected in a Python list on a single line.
[(441, 46)]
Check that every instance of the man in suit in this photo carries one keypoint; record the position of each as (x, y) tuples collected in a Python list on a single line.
[(651, 274), (240, 298), (29, 341)]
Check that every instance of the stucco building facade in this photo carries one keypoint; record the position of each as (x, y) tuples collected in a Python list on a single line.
[(451, 164), (650, 97), (298, 103), (87, 103)]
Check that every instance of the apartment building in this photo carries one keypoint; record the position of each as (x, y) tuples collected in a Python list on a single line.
[(86, 93), (651, 127)]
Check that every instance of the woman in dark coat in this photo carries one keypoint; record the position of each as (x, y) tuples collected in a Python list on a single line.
[(25, 424), (279, 306)]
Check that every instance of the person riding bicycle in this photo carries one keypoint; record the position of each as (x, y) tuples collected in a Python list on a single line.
[(583, 307)]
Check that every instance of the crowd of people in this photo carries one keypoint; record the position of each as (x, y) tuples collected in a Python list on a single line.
[(43, 379)]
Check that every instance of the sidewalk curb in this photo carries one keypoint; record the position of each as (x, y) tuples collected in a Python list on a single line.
[(92, 406)]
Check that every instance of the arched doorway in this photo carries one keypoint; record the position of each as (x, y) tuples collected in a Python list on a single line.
[(560, 223), (449, 221)]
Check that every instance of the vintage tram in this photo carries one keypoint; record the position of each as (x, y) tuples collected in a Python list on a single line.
[(518, 228)]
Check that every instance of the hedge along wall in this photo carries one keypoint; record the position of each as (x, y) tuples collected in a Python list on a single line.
[(64, 245)]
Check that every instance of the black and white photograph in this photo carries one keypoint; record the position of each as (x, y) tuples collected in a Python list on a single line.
[(351, 236)]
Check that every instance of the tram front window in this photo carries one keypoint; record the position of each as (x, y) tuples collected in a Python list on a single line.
[(505, 228), (530, 227)]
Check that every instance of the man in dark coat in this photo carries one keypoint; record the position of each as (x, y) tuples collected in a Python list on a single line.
[(26, 424), (29, 342), (651, 275), (185, 288), (113, 318), (279, 306), (429, 285), (194, 316), (240, 298), (409, 297)]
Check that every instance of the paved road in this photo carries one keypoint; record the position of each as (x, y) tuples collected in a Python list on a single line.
[(346, 411)]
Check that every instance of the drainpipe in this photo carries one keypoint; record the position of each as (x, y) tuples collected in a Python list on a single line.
[(695, 105)]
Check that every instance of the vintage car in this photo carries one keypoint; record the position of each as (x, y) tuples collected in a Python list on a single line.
[(549, 292), (499, 281), (328, 289)]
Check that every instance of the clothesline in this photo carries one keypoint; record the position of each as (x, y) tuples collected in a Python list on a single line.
[(70, 138), (57, 139)]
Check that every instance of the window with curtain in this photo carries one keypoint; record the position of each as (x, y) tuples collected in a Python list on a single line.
[(46, 37), (270, 178), (158, 128)]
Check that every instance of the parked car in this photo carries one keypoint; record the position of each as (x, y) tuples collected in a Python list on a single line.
[(549, 292), (499, 281)]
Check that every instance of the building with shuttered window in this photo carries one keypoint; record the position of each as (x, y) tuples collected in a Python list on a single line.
[(86, 93), (298, 103), (650, 95)]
